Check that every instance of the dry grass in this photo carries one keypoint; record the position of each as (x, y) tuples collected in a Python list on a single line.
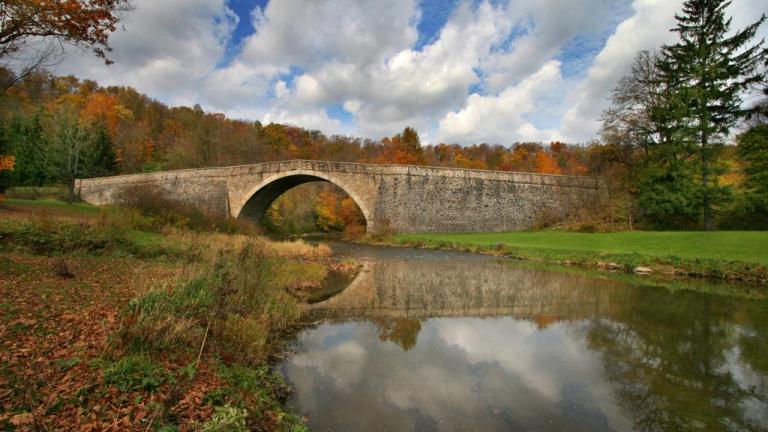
[(213, 244)]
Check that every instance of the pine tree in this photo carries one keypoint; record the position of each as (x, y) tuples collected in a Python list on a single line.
[(33, 167), (704, 74), (99, 158), (753, 151)]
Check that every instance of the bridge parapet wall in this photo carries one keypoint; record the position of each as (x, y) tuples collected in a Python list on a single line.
[(393, 197)]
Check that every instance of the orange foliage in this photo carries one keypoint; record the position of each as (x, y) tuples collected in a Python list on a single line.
[(84, 23), (148, 150), (327, 218), (103, 106), (7, 163), (350, 213), (461, 161), (546, 164), (543, 320), (394, 152)]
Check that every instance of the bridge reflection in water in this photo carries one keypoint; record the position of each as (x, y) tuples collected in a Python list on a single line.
[(448, 342), (476, 288)]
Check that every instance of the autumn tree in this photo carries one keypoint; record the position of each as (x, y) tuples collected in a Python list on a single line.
[(7, 161), (546, 164), (38, 29), (328, 218), (628, 131), (403, 148)]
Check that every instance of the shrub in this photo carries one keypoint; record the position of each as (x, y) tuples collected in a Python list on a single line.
[(547, 218), (155, 202)]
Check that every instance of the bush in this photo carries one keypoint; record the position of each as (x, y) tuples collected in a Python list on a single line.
[(155, 202), (547, 218)]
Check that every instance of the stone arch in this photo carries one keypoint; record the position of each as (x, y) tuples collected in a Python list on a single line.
[(257, 200)]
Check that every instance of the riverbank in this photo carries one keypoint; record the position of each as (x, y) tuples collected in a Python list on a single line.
[(113, 319), (724, 255)]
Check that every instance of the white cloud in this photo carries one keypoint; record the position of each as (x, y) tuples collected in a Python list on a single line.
[(309, 119), (500, 118), (307, 34), (306, 56), (646, 29), (166, 48), (548, 25)]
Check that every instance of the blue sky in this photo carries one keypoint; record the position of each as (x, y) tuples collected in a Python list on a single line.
[(459, 71)]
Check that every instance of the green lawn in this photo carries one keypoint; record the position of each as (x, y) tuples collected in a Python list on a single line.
[(745, 246)]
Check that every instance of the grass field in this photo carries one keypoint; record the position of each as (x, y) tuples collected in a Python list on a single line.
[(729, 255), (747, 246)]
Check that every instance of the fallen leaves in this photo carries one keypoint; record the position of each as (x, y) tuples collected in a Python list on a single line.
[(53, 329)]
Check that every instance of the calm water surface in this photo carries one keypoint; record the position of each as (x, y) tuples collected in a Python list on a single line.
[(430, 341)]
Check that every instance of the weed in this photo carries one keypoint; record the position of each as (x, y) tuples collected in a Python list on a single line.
[(244, 337), (227, 418), (135, 372)]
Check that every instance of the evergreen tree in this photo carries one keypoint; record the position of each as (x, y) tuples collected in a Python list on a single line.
[(704, 76), (33, 167), (753, 150), (99, 157)]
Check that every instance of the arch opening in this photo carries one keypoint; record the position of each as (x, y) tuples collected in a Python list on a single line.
[(275, 201)]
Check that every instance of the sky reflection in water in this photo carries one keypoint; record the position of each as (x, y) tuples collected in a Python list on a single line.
[(458, 345)]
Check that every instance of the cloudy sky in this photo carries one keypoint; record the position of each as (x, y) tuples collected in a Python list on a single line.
[(459, 71)]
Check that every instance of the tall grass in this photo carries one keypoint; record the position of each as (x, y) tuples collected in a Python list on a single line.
[(235, 308)]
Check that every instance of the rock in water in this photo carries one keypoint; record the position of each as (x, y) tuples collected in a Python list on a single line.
[(643, 270)]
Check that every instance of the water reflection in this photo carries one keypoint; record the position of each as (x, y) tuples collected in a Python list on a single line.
[(466, 344)]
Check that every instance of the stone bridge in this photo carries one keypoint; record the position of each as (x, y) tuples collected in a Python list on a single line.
[(394, 198)]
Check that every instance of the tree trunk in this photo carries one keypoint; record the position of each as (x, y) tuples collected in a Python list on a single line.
[(705, 181)]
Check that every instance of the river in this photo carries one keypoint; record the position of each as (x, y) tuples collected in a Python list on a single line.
[(441, 341)]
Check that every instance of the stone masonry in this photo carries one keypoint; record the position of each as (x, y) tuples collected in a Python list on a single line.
[(393, 198)]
